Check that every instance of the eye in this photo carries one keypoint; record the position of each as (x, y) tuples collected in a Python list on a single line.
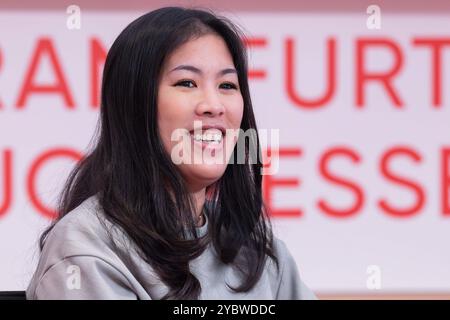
[(185, 83), (228, 85)]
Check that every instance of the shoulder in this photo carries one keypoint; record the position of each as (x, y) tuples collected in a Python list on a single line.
[(81, 277), (83, 231), (282, 252), (287, 282), (82, 238)]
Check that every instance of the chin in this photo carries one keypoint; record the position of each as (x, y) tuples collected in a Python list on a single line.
[(210, 171), (206, 173)]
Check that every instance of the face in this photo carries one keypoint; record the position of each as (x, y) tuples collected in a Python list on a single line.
[(200, 109)]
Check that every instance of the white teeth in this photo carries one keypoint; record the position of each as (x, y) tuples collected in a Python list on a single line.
[(208, 137)]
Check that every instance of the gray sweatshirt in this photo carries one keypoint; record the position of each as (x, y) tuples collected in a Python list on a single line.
[(86, 257)]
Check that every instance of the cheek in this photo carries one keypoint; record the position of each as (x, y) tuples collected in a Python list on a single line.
[(171, 113), (166, 121), (236, 112)]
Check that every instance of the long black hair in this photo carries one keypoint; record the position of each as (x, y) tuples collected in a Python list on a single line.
[(138, 186)]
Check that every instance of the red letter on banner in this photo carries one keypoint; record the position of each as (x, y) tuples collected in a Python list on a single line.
[(420, 194), (256, 42), (436, 62), (445, 181), (269, 184), (290, 81), (385, 78), (7, 183), (44, 48), (98, 57), (324, 171), (31, 180)]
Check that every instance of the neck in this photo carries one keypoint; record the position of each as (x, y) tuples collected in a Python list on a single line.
[(199, 198)]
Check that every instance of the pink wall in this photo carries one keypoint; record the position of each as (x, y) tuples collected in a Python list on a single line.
[(239, 5)]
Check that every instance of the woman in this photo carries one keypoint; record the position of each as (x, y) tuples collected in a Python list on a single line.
[(134, 221)]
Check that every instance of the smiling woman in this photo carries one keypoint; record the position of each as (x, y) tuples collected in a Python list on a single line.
[(205, 90), (132, 223)]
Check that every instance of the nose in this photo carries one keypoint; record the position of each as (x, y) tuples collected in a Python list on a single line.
[(210, 104)]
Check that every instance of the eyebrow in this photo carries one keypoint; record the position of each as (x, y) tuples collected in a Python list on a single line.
[(198, 71)]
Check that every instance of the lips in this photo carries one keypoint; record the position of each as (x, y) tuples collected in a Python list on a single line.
[(209, 129)]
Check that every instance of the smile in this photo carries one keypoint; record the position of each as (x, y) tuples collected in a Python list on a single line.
[(211, 138)]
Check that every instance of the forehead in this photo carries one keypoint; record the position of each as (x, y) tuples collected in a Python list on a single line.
[(208, 50)]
